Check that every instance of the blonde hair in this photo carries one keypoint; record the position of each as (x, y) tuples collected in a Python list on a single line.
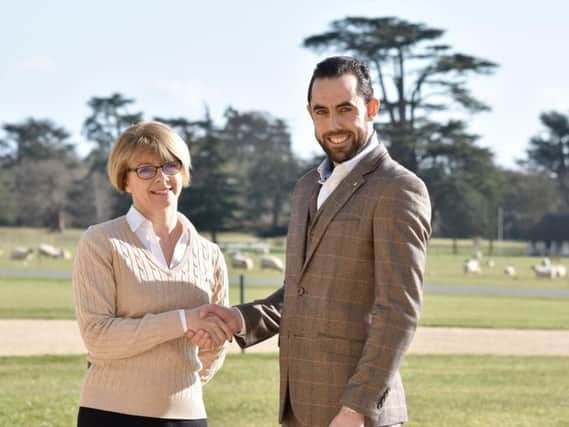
[(147, 137)]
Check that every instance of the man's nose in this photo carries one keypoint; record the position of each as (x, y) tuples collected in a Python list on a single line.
[(334, 122)]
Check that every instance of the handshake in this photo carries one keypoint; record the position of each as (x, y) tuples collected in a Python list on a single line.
[(211, 325)]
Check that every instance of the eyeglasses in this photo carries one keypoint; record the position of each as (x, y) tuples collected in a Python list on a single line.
[(149, 172)]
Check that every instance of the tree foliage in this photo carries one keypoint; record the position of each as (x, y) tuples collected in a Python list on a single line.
[(549, 151)]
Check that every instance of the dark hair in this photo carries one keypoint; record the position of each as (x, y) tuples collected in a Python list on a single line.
[(337, 66)]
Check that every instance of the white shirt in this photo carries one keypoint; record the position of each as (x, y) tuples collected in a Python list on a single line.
[(331, 178), (143, 229)]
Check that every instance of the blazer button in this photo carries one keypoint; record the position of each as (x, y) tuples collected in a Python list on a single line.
[(300, 291)]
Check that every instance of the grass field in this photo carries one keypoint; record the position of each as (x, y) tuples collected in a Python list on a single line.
[(443, 266), (22, 298), (442, 391)]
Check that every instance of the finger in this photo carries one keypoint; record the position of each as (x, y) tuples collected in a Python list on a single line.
[(214, 331), (198, 336), (227, 331)]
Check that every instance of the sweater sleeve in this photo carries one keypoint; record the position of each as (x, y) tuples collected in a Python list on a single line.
[(106, 335), (213, 359)]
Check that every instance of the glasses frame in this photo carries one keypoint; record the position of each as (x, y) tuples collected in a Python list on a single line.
[(161, 167)]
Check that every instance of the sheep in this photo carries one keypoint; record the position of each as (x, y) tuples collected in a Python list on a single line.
[(240, 261), (272, 262), (510, 270), (472, 266), (549, 271), (49, 251), (21, 253), (491, 263)]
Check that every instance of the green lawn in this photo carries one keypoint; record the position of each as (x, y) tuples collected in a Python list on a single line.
[(443, 391), (22, 298), (446, 269)]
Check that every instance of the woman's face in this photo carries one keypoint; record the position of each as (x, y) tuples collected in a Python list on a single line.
[(159, 193)]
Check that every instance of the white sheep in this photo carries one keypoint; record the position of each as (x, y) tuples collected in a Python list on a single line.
[(472, 266), (240, 261), (491, 263), (551, 271), (272, 262), (21, 253), (510, 270), (49, 251)]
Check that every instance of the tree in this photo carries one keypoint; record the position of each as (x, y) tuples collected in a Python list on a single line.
[(41, 161), (418, 76), (526, 199), (35, 139), (211, 200), (464, 183), (549, 151), (262, 158), (109, 117)]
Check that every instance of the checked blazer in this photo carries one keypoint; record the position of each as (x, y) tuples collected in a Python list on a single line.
[(352, 295)]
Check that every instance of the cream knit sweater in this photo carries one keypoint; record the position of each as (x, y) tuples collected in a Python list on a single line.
[(126, 305)]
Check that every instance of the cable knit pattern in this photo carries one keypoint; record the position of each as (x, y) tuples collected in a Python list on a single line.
[(126, 306)]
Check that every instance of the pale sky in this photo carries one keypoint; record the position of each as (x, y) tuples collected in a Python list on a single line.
[(175, 55)]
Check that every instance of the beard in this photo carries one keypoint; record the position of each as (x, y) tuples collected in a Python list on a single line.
[(345, 150)]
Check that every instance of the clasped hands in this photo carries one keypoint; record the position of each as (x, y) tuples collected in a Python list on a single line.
[(210, 325)]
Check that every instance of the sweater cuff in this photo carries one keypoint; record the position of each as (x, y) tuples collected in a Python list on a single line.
[(183, 320)]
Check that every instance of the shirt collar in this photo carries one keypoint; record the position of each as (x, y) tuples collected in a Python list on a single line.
[(136, 220), (325, 168)]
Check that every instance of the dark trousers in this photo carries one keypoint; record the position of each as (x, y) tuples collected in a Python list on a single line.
[(89, 417)]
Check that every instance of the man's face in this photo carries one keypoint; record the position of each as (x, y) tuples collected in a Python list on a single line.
[(342, 120)]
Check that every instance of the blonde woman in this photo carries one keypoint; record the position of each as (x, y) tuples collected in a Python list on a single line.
[(138, 281)]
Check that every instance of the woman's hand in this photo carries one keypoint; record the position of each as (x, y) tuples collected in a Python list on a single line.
[(214, 331)]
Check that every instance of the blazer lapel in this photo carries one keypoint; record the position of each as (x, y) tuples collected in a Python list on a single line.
[(339, 197)]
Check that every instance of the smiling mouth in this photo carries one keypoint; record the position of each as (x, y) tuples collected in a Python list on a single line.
[(163, 192), (338, 139)]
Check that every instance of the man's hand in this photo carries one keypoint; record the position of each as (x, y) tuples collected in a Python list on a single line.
[(229, 317), (214, 330), (347, 418)]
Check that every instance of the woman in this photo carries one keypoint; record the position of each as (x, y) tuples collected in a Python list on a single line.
[(139, 281)]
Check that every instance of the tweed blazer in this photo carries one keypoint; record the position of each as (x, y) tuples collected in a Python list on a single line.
[(352, 295)]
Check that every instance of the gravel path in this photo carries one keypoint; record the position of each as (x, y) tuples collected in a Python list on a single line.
[(29, 337)]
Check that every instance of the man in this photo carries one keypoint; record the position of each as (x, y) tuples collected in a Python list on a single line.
[(355, 257)]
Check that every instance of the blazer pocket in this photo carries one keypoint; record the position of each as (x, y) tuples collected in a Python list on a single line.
[(346, 347)]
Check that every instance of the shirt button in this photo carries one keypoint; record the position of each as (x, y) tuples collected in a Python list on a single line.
[(300, 291)]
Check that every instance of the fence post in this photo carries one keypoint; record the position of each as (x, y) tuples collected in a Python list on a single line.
[(242, 295)]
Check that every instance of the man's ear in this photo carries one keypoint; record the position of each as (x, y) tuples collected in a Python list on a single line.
[(309, 110), (373, 108)]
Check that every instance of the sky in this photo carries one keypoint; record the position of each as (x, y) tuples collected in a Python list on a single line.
[(175, 56)]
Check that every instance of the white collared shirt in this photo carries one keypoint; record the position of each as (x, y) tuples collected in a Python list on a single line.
[(143, 229), (331, 178)]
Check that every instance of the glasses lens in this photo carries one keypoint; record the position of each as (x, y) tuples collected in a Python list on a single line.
[(146, 172), (171, 168)]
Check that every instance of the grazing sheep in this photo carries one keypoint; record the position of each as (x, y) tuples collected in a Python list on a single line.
[(272, 262), (472, 266), (240, 261), (490, 263), (49, 251), (21, 253), (510, 270), (549, 271)]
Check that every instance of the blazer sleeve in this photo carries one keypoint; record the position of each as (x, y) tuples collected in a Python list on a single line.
[(262, 318), (106, 335), (401, 229), (212, 359)]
